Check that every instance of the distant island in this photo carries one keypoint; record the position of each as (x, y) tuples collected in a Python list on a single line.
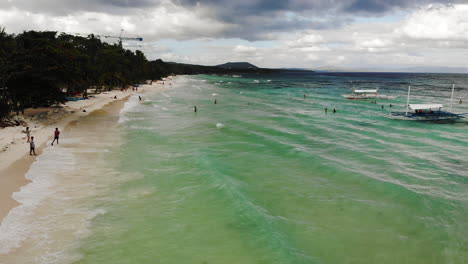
[(168, 68), (226, 68), (237, 65)]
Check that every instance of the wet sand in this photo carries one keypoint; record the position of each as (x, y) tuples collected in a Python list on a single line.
[(14, 156)]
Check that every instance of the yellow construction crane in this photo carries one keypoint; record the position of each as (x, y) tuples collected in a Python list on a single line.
[(123, 38), (120, 38)]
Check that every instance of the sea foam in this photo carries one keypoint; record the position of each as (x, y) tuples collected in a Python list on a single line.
[(20, 222), (56, 207), (131, 103)]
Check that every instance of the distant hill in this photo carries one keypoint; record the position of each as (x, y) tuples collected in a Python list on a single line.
[(161, 69), (237, 65)]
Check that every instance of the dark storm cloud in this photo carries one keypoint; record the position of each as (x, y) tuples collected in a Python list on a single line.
[(257, 17), (251, 19), (230, 8), (66, 7), (377, 7), (264, 27)]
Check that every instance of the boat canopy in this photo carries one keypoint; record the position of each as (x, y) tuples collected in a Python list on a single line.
[(366, 91), (425, 106)]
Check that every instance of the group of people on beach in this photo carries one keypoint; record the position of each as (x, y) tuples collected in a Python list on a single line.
[(32, 145), (30, 139)]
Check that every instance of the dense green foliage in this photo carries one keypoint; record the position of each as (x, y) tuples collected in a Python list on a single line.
[(42, 68)]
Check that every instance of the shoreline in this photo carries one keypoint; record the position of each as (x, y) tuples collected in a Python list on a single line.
[(14, 156)]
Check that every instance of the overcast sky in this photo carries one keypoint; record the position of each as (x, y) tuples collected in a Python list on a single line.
[(267, 33)]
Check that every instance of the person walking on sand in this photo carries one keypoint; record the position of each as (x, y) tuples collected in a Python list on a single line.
[(32, 147), (28, 134), (56, 136), (139, 97)]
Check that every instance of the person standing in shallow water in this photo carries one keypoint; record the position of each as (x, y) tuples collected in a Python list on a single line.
[(56, 136), (32, 147), (195, 109), (334, 110)]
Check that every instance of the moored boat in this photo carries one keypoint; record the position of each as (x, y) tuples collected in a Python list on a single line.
[(426, 112), (363, 94)]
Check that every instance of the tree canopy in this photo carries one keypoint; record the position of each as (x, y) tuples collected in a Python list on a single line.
[(42, 68)]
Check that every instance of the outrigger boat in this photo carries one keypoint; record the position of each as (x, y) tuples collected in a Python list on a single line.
[(426, 112), (367, 94)]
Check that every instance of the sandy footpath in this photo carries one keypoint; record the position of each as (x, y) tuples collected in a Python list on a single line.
[(15, 160)]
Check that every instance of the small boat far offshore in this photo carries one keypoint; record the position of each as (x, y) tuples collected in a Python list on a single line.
[(427, 112), (363, 94)]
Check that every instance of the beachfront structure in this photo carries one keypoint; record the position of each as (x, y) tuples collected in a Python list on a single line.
[(426, 112), (367, 94)]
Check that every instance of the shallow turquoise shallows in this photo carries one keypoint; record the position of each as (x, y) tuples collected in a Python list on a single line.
[(267, 176)]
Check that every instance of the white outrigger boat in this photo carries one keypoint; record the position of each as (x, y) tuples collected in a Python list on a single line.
[(367, 94), (426, 112)]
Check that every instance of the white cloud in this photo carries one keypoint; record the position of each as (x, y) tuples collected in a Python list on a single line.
[(431, 36), (362, 45), (244, 49), (314, 49), (164, 21), (438, 22), (311, 57), (375, 45), (306, 39)]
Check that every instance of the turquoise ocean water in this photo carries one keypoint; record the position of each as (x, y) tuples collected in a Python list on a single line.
[(266, 176)]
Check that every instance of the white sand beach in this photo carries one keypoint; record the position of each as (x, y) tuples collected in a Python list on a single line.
[(15, 160)]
